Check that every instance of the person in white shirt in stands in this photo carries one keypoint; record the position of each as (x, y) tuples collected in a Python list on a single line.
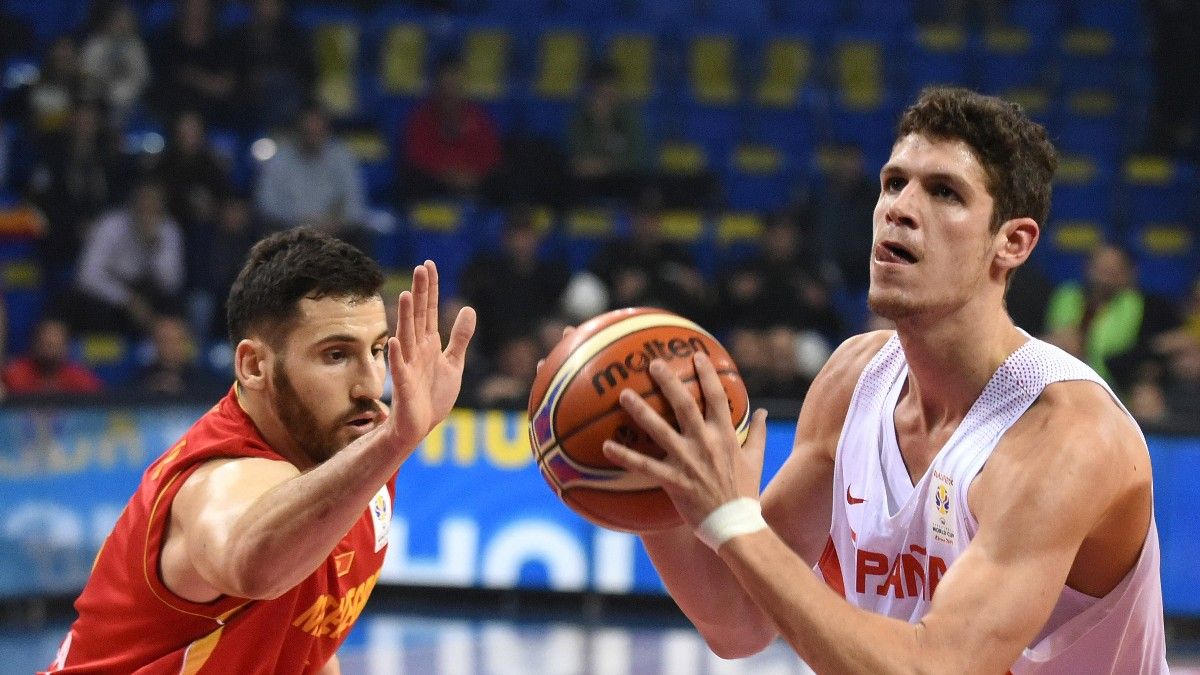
[(960, 497), (131, 267)]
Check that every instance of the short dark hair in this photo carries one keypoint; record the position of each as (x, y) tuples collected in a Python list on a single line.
[(287, 266), (1015, 152)]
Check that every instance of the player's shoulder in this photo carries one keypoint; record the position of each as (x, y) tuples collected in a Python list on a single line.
[(1083, 412), (828, 398), (1076, 428)]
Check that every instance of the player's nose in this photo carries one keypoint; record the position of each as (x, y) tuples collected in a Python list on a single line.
[(902, 209), (369, 381)]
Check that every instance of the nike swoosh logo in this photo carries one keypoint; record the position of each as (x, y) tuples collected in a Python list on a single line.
[(852, 500)]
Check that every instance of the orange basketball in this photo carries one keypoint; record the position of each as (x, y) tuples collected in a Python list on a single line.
[(573, 409)]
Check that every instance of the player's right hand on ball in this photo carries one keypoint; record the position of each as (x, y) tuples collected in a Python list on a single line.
[(425, 378)]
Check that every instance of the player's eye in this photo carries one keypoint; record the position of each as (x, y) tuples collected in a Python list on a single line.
[(943, 191), (893, 184), (335, 356)]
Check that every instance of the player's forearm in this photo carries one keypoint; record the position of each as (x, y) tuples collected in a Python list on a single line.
[(708, 593), (292, 528), (826, 631)]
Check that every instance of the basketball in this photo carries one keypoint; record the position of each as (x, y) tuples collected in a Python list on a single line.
[(573, 409)]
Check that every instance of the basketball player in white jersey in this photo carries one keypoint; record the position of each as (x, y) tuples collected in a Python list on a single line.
[(955, 455)]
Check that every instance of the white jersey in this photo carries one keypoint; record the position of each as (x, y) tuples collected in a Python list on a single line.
[(891, 542)]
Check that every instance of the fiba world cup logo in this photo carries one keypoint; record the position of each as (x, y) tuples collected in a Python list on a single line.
[(941, 499)]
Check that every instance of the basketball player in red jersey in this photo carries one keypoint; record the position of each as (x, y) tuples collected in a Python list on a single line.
[(252, 545), (960, 497)]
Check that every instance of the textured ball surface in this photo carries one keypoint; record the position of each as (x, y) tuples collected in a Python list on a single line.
[(573, 409)]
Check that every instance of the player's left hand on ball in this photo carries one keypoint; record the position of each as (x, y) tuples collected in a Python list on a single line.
[(704, 466)]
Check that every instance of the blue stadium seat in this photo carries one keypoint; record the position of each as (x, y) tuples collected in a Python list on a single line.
[(1090, 123), (814, 15), (1090, 58), (111, 356), (1159, 190), (1011, 58), (757, 178), (1166, 255), (1066, 245), (1085, 188), (937, 55), (441, 232)]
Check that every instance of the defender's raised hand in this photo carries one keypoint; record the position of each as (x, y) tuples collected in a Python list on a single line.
[(425, 377)]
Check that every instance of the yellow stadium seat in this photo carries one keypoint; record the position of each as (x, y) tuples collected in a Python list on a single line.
[(682, 226), (739, 228), (682, 158), (632, 54), (1077, 236), (336, 48), (590, 223), (787, 64), (860, 74), (402, 60), (435, 216), (485, 63), (562, 59), (713, 69)]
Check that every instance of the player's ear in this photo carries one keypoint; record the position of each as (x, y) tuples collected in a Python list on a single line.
[(1017, 238), (250, 363)]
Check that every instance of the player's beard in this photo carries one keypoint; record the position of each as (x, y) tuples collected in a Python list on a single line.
[(301, 422)]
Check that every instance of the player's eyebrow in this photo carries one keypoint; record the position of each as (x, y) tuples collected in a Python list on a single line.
[(346, 337)]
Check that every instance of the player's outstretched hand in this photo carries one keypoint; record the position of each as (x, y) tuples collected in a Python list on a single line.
[(425, 378), (704, 466)]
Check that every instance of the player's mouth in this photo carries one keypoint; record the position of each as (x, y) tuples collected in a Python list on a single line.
[(890, 252), (364, 422)]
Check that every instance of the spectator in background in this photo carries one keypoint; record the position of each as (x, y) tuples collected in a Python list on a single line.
[(1107, 321), (175, 372), (779, 286), (840, 210), (194, 67), (506, 385), (451, 145), (47, 368), (314, 181), (131, 268), (114, 63), (82, 172), (195, 180), (43, 106), (237, 229), (274, 65), (512, 288), (606, 145), (645, 269)]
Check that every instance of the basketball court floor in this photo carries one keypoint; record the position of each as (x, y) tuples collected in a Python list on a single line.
[(456, 639)]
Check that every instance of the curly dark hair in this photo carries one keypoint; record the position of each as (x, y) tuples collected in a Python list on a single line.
[(1015, 152), (290, 265)]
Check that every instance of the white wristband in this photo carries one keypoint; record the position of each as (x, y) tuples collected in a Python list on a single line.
[(731, 519)]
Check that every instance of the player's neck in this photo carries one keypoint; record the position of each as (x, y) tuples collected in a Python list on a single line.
[(272, 429), (951, 359)]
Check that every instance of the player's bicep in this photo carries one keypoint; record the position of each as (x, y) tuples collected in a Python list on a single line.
[(994, 600), (797, 503), (208, 507)]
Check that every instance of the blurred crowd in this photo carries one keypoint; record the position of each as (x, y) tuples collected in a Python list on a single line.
[(145, 242)]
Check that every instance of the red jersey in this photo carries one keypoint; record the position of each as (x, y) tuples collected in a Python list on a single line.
[(129, 622)]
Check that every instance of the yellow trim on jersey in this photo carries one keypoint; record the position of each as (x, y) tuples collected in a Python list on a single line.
[(146, 560), (197, 653)]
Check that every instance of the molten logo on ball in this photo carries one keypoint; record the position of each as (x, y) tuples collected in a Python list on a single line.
[(618, 371)]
